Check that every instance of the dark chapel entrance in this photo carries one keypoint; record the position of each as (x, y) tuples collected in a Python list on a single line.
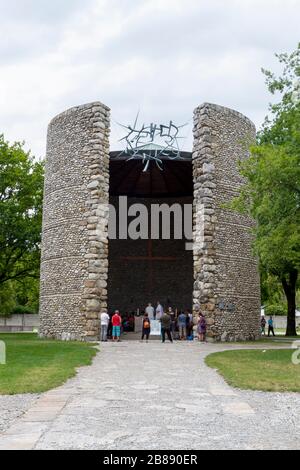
[(152, 269)]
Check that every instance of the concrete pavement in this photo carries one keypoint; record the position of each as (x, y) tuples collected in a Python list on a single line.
[(154, 396)]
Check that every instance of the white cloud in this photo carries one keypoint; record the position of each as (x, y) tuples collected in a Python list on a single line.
[(162, 56)]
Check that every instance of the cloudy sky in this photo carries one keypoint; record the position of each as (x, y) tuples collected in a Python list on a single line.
[(163, 57)]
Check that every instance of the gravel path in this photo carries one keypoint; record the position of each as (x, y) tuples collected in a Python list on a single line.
[(154, 396), (12, 407)]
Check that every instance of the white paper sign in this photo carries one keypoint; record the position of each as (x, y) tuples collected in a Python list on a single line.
[(155, 328)]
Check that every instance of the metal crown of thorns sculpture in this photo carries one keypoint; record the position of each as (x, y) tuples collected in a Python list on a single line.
[(152, 143)]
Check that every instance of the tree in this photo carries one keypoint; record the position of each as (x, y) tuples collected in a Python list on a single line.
[(272, 191), (21, 196), (7, 299), (272, 295)]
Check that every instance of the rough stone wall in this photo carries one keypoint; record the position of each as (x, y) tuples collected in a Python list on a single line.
[(225, 270), (74, 262), (133, 283)]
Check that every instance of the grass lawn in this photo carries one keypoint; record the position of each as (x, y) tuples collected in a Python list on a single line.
[(271, 371), (266, 342), (282, 332), (35, 365)]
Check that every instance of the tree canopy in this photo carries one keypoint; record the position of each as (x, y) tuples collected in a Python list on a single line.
[(272, 192), (21, 196)]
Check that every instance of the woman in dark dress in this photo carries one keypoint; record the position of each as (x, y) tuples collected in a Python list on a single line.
[(201, 328)]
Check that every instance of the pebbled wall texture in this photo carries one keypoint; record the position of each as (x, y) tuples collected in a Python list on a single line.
[(74, 262), (227, 285)]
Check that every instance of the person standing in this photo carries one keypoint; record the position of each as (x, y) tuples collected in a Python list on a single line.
[(116, 326), (188, 326), (191, 324), (159, 311), (271, 327), (263, 324), (182, 326), (150, 312), (173, 321), (166, 327), (146, 328), (105, 319), (131, 322), (202, 326), (109, 332)]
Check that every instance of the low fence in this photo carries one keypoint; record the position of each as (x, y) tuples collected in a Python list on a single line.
[(27, 323), (18, 323), (281, 322)]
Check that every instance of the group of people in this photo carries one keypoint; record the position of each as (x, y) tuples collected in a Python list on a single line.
[(174, 325), (114, 324), (263, 325), (111, 326)]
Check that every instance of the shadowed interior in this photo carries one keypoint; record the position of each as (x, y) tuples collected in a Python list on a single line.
[(142, 271)]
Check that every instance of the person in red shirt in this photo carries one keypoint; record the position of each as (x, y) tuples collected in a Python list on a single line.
[(116, 324)]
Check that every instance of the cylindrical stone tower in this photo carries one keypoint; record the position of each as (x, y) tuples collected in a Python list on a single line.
[(74, 265), (227, 285)]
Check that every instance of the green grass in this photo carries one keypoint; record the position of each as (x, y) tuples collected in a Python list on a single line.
[(271, 371), (268, 342), (282, 332), (35, 365)]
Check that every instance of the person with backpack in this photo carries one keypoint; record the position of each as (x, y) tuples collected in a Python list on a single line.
[(146, 327)]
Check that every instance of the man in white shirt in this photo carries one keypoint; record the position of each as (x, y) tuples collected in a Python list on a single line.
[(159, 311), (104, 325), (150, 312)]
